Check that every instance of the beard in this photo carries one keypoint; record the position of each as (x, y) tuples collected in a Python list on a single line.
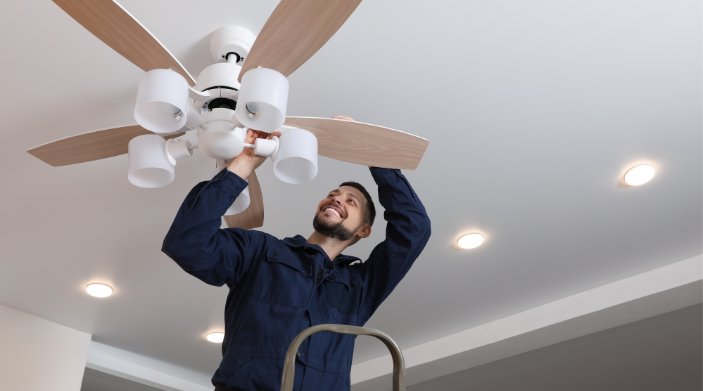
[(335, 231)]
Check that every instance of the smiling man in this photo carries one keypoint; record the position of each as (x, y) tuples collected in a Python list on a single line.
[(278, 288)]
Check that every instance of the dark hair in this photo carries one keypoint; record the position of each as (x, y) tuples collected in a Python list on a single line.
[(370, 214)]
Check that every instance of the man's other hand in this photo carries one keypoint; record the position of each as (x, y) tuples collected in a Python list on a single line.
[(244, 164)]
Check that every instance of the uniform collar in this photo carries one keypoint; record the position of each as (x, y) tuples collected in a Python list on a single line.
[(300, 241)]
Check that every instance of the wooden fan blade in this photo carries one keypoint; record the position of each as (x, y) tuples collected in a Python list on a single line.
[(360, 143), (113, 25), (90, 146), (253, 216), (295, 31)]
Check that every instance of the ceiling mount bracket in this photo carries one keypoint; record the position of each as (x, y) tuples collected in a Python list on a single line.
[(231, 40)]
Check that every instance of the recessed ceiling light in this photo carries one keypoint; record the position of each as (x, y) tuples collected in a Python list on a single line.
[(99, 290), (216, 337), (470, 241), (639, 175)]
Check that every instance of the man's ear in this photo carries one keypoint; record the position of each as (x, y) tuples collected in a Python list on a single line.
[(364, 232)]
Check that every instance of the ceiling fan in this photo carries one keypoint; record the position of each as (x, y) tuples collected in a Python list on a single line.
[(247, 87)]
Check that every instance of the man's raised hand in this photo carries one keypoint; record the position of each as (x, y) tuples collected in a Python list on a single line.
[(244, 164)]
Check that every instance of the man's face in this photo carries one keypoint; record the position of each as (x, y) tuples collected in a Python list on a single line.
[(341, 214)]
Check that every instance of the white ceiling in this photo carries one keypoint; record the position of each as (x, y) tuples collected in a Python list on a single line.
[(534, 110), (659, 353)]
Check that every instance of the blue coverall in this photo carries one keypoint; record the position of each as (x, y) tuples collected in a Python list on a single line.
[(278, 288)]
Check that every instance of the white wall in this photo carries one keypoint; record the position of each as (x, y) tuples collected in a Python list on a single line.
[(39, 355)]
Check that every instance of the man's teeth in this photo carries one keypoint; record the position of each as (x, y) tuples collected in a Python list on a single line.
[(333, 211)]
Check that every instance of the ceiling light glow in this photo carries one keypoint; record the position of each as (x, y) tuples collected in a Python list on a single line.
[(639, 175), (99, 290), (216, 337), (470, 241)]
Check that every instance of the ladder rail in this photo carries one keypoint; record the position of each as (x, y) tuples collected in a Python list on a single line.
[(398, 360)]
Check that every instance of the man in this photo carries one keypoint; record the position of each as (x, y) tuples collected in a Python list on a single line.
[(278, 288)]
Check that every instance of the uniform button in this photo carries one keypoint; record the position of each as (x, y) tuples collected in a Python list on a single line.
[(355, 283), (319, 277), (273, 257), (221, 174), (331, 278), (305, 273)]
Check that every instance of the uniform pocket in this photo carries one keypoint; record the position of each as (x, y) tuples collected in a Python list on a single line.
[(283, 280), (344, 303)]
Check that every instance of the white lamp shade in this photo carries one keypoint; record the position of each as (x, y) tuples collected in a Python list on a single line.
[(149, 166), (296, 159), (240, 204), (265, 91), (217, 136), (193, 118), (162, 94)]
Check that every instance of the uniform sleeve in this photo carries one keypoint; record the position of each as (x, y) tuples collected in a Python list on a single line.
[(407, 233), (198, 245)]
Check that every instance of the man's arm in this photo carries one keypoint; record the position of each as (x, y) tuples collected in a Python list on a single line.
[(196, 242), (407, 232)]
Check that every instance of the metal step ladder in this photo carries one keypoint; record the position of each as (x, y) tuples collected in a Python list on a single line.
[(398, 361)]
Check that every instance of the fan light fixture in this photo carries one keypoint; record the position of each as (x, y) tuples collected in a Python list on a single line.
[(162, 101), (216, 337), (152, 160), (228, 97), (99, 290), (470, 241), (294, 155), (262, 100), (296, 160), (639, 175)]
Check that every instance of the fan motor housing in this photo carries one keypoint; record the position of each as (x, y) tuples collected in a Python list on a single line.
[(220, 81), (222, 74)]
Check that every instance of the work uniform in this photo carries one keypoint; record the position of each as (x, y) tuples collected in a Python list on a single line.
[(278, 288)]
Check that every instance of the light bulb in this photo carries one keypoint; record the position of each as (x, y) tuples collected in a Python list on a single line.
[(216, 337), (254, 109), (470, 241), (639, 175), (99, 290), (170, 108)]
